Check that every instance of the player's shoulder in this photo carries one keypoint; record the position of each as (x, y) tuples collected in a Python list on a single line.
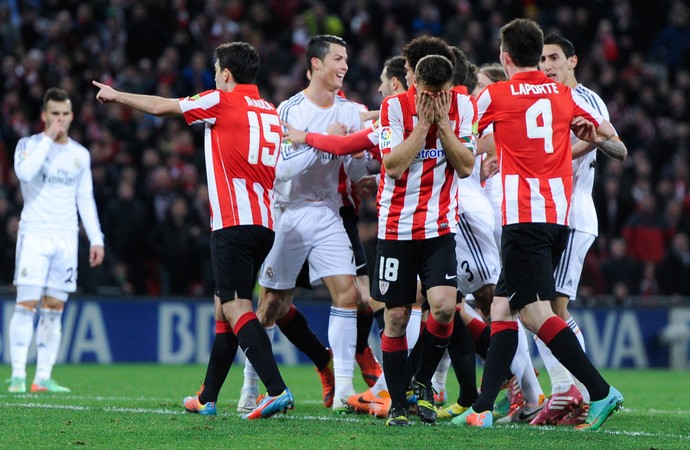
[(78, 148), (293, 101), (588, 95), (29, 140)]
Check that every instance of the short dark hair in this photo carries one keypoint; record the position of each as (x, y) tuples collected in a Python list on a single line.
[(319, 45), (54, 94), (471, 78), (422, 46), (460, 67), (434, 71), (523, 39), (241, 59), (565, 45), (494, 72), (395, 67)]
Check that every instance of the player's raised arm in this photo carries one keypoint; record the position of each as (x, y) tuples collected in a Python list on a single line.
[(150, 104)]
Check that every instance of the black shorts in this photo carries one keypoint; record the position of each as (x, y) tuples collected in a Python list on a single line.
[(350, 219), (399, 262), (236, 257), (530, 253)]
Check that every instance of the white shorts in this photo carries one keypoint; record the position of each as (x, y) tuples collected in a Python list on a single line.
[(47, 262), (494, 192), (315, 234), (569, 268), (476, 252)]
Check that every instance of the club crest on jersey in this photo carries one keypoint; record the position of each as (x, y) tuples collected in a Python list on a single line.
[(77, 164), (269, 272), (383, 286), (385, 136)]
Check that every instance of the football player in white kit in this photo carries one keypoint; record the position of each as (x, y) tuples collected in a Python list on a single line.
[(569, 402), (55, 179), (308, 223)]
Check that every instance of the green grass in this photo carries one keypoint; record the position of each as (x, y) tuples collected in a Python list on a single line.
[(138, 406)]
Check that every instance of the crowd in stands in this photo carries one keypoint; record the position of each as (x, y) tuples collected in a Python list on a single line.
[(149, 178)]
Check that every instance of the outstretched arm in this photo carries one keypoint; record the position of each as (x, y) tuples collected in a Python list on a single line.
[(151, 104)]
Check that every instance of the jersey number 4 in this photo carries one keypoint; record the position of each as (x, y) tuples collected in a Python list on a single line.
[(263, 139), (541, 108)]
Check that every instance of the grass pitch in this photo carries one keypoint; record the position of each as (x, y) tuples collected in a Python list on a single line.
[(139, 406)]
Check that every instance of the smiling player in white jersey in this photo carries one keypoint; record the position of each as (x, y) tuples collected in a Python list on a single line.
[(55, 179), (308, 223)]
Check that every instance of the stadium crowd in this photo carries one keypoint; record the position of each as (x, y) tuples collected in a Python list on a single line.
[(148, 173)]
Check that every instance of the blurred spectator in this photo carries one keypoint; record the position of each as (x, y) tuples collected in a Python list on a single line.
[(646, 232), (674, 270), (622, 274)]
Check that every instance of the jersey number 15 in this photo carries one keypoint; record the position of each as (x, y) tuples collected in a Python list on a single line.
[(269, 145)]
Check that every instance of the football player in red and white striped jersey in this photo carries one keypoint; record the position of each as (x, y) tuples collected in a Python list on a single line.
[(532, 116), (426, 142), (242, 143)]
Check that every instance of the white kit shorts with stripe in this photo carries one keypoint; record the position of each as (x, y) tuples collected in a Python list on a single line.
[(569, 270), (312, 233), (475, 248)]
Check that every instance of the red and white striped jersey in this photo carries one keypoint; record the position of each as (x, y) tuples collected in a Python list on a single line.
[(242, 143), (531, 116), (422, 204)]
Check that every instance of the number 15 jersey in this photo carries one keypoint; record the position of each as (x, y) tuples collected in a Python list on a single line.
[(531, 115), (241, 141)]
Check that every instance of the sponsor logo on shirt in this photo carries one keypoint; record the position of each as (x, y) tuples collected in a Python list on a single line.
[(430, 153), (62, 177)]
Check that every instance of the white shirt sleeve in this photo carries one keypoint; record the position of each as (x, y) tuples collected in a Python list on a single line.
[(86, 206), (29, 156)]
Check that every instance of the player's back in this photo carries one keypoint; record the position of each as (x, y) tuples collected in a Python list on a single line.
[(242, 141)]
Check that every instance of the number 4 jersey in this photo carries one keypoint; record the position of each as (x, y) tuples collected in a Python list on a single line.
[(242, 141), (531, 117)]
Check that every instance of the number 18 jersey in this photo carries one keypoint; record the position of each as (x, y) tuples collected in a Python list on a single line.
[(242, 141), (531, 115)]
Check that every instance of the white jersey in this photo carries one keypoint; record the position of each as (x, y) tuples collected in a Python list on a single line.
[(471, 195), (583, 215), (56, 183), (305, 175)]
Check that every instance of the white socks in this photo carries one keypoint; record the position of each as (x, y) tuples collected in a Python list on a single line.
[(251, 378), (438, 381), (48, 337), (21, 332), (561, 379), (414, 326), (523, 369), (342, 335)]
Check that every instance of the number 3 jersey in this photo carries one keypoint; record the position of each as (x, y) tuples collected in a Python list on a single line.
[(531, 116), (241, 141)]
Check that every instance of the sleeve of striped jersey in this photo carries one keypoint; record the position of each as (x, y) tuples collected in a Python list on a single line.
[(29, 156), (201, 108), (483, 113), (468, 119), (392, 131), (582, 108), (593, 99), (343, 145)]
